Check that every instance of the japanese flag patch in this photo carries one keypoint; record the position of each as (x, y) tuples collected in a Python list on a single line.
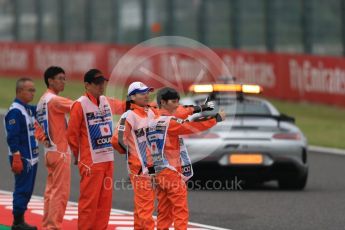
[(105, 130)]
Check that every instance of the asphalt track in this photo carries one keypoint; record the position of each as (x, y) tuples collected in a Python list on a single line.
[(320, 206)]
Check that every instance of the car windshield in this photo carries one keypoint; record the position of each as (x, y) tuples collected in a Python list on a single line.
[(244, 107)]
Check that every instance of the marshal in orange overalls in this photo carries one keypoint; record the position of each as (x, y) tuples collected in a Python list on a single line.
[(96, 173), (144, 194), (171, 188), (57, 157)]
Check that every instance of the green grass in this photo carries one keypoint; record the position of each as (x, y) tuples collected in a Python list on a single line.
[(3, 227), (73, 90), (323, 125)]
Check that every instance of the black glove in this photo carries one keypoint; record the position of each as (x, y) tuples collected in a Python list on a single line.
[(207, 106), (218, 118)]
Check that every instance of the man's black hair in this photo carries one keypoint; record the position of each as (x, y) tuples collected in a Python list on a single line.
[(51, 72), (165, 94)]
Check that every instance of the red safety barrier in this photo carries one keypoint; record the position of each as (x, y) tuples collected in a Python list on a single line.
[(296, 77)]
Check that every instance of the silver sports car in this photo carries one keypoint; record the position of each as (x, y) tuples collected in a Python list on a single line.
[(256, 142)]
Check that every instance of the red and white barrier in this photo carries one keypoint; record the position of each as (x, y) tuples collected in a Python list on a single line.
[(296, 77)]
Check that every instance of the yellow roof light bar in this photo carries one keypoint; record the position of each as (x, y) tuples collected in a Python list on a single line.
[(227, 88), (251, 89), (201, 88), (209, 88)]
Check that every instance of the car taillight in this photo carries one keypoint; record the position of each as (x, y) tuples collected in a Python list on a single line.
[(287, 136), (204, 135)]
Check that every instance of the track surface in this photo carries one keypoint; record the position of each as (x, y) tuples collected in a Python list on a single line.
[(320, 206)]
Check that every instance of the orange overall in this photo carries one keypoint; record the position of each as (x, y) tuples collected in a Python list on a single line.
[(96, 179), (171, 189), (144, 193), (57, 161), (165, 217)]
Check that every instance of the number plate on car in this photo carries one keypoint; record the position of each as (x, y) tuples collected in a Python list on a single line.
[(255, 158)]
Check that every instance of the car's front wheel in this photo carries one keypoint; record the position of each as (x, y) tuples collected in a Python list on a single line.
[(294, 183)]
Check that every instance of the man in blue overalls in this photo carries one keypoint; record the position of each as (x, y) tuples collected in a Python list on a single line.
[(23, 149)]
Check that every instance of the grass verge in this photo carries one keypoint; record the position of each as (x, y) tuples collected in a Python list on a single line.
[(323, 125)]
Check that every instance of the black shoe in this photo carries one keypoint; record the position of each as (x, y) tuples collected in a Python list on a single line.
[(19, 223), (23, 226)]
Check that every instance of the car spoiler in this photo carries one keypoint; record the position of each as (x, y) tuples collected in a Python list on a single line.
[(280, 118)]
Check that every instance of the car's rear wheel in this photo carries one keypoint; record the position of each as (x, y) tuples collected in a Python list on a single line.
[(294, 183)]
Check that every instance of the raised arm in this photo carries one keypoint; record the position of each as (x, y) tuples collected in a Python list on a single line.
[(117, 106)]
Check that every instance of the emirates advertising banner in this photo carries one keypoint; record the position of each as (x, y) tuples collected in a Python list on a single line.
[(297, 77)]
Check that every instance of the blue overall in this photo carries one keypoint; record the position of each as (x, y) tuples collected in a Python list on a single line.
[(17, 140)]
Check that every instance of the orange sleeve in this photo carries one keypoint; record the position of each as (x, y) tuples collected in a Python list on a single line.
[(61, 104), (183, 128), (118, 140), (74, 128), (115, 143), (153, 104), (39, 132), (183, 112), (117, 106)]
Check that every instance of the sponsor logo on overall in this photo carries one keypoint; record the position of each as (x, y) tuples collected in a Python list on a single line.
[(103, 140)]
